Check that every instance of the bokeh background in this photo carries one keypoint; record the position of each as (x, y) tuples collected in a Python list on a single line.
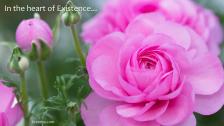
[(62, 61)]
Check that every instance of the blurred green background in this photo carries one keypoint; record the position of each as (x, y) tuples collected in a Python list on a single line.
[(62, 61)]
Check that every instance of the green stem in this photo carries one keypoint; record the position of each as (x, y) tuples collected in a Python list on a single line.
[(77, 45), (43, 80), (25, 99)]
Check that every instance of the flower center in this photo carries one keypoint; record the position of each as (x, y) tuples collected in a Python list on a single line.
[(147, 59), (147, 62)]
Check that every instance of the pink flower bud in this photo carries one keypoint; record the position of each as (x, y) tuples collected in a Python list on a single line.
[(10, 111), (30, 31)]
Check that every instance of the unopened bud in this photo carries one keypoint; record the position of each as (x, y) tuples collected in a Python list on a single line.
[(70, 17), (32, 30), (23, 63), (18, 62), (36, 15)]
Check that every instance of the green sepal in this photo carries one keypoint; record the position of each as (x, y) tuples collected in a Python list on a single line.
[(40, 51), (45, 50), (10, 84), (17, 51), (33, 54), (13, 64)]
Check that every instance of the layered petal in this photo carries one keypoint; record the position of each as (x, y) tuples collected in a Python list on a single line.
[(182, 106), (153, 112), (103, 55), (158, 71), (101, 112)]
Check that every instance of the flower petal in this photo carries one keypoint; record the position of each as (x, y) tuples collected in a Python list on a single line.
[(183, 38), (109, 117), (97, 111), (94, 30), (101, 56), (129, 110), (91, 109), (209, 104), (154, 112), (206, 74), (14, 114), (6, 96), (3, 120), (191, 121), (144, 24), (107, 79)]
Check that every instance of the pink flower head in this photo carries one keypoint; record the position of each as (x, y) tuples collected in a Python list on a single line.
[(10, 113), (157, 73), (117, 14), (30, 31)]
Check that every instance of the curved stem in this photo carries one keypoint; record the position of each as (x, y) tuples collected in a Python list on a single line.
[(43, 80), (25, 99), (77, 45)]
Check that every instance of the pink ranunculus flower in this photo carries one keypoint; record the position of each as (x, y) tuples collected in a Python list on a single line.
[(10, 113), (157, 73), (117, 14), (30, 31)]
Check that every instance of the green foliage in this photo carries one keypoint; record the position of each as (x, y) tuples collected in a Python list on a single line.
[(64, 107)]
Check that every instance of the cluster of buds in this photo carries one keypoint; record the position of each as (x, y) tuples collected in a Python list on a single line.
[(34, 38)]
